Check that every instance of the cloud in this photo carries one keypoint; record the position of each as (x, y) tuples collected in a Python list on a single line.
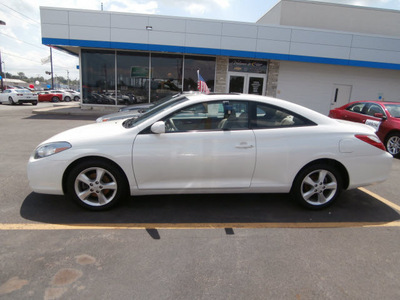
[(143, 7), (195, 7)]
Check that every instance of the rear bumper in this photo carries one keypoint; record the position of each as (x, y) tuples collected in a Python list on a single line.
[(367, 170)]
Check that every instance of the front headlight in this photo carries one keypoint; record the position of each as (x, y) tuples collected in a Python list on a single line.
[(50, 149)]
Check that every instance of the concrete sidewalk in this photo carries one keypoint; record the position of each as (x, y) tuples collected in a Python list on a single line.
[(75, 109)]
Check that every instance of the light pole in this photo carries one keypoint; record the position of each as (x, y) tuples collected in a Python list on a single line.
[(1, 70)]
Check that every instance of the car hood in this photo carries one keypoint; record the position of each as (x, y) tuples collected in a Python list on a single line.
[(119, 115), (97, 133)]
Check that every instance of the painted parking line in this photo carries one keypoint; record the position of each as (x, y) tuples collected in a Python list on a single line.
[(42, 227), (383, 200), (119, 226)]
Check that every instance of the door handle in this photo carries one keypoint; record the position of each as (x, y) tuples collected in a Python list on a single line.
[(244, 145)]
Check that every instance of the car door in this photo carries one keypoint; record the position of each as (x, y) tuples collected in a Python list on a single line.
[(355, 112), (201, 149), (371, 117)]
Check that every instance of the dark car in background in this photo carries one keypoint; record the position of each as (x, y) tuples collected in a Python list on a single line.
[(383, 116)]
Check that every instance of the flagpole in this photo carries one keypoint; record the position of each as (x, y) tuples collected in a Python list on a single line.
[(51, 62)]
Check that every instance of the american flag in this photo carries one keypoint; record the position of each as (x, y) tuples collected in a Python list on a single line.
[(201, 84)]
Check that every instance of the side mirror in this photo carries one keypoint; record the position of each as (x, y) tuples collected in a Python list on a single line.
[(380, 115), (158, 127)]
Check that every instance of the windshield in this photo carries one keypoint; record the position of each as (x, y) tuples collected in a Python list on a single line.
[(394, 110), (158, 107)]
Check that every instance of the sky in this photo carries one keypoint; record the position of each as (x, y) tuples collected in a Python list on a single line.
[(20, 39)]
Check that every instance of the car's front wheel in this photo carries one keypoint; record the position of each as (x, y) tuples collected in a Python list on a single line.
[(67, 99), (55, 99), (393, 144), (317, 186), (96, 185), (11, 100)]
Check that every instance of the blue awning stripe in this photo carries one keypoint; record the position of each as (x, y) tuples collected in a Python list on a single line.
[(217, 52)]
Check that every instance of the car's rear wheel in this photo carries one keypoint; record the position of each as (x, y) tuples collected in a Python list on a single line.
[(55, 99), (34, 103), (392, 144), (96, 185), (317, 186), (67, 99)]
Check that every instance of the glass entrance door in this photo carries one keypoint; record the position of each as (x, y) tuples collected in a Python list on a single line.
[(246, 83)]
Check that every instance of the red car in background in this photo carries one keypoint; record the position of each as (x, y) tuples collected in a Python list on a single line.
[(383, 116), (48, 96)]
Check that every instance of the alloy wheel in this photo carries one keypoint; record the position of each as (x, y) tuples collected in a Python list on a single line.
[(393, 145), (319, 187), (96, 186)]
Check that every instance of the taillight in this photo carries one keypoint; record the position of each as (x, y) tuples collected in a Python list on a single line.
[(372, 140), (20, 94)]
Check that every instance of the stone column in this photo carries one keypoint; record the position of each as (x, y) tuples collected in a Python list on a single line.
[(272, 78), (221, 74)]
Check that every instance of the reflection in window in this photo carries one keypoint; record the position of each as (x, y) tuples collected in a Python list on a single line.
[(98, 78), (206, 65), (219, 115), (394, 110), (357, 108), (166, 76), (140, 76), (133, 77), (268, 116), (374, 109)]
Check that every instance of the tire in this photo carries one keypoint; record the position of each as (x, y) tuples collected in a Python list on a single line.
[(34, 103), (76, 98), (96, 185), (317, 186), (11, 100), (392, 144), (55, 99), (67, 99)]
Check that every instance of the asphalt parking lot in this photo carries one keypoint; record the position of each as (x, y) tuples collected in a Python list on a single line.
[(188, 247)]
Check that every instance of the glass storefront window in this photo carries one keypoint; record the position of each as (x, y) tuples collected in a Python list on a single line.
[(206, 66), (166, 75), (132, 77), (140, 76), (98, 77)]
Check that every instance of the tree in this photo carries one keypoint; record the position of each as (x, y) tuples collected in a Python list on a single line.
[(22, 75)]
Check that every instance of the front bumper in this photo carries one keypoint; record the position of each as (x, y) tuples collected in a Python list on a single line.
[(45, 175)]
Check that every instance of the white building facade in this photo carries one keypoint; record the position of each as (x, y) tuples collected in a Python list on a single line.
[(126, 58)]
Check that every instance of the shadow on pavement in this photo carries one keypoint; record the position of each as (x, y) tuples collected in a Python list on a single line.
[(353, 206)]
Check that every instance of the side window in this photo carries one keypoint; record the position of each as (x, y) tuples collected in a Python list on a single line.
[(218, 115), (268, 116), (374, 109), (357, 108)]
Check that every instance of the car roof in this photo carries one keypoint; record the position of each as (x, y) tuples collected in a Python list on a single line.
[(373, 101), (296, 108)]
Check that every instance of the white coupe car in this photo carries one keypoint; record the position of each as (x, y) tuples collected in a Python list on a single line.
[(18, 96), (211, 144)]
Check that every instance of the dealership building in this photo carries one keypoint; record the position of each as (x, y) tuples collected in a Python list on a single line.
[(316, 54)]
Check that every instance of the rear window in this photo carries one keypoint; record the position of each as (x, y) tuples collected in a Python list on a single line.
[(269, 116)]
